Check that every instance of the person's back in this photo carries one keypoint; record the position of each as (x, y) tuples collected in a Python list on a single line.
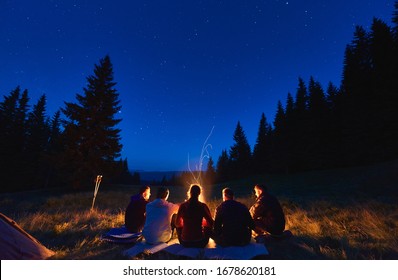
[(233, 223), (134, 218), (267, 212), (191, 230), (157, 226)]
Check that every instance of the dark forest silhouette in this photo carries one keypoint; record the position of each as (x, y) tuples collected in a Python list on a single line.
[(352, 124)]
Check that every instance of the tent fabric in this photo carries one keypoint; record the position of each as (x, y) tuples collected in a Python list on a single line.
[(17, 244)]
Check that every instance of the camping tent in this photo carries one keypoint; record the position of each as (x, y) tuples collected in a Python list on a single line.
[(17, 244)]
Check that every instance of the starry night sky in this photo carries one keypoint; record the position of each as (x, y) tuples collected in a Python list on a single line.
[(181, 67)]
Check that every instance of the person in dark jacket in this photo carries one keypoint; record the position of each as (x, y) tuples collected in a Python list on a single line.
[(134, 218), (194, 221), (267, 212), (233, 224)]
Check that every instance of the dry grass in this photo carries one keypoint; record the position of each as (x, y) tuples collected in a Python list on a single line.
[(321, 229)]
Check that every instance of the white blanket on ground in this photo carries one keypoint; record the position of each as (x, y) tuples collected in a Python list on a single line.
[(142, 246), (211, 251), (219, 253)]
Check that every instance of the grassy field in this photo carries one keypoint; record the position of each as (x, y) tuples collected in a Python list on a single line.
[(335, 214)]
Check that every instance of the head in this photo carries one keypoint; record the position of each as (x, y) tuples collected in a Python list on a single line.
[(194, 192), (227, 194), (259, 189), (145, 191), (163, 193)]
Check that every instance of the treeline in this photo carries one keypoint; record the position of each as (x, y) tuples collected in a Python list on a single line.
[(355, 123), (38, 151)]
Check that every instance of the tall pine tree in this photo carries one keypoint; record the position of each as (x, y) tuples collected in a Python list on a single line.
[(91, 137), (261, 150), (240, 154), (223, 167)]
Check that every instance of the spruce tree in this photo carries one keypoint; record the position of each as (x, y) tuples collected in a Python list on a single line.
[(395, 21), (223, 167), (290, 132), (38, 133), (317, 133), (210, 174), (261, 150), (382, 108), (54, 176), (13, 116), (333, 125), (357, 88), (92, 139), (279, 148), (240, 154), (299, 127)]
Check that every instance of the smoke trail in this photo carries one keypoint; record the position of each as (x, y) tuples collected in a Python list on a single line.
[(197, 178)]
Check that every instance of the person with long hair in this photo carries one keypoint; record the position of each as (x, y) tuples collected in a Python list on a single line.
[(194, 221)]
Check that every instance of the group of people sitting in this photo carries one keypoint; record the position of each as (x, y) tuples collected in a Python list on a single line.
[(233, 224)]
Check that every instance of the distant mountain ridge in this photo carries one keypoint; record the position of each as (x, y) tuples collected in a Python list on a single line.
[(149, 176)]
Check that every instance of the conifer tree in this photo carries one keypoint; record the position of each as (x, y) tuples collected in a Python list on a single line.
[(297, 126), (261, 150), (395, 21), (357, 89), (279, 151), (223, 167), (93, 141), (37, 129), (13, 115), (240, 154), (210, 174), (317, 133), (54, 176), (291, 131), (38, 133), (333, 125)]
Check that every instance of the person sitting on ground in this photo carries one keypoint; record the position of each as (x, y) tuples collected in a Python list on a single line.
[(267, 213), (134, 217), (194, 221), (233, 224), (157, 228)]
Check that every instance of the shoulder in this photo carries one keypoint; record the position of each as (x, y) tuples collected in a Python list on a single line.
[(183, 205), (171, 205), (221, 206), (241, 205), (204, 205)]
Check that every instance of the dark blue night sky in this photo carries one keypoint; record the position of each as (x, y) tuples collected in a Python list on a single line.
[(181, 67)]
